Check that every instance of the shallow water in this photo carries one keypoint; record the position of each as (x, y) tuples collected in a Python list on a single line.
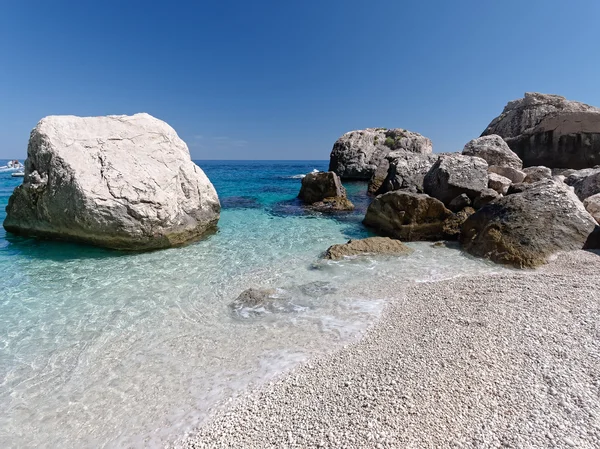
[(107, 349)]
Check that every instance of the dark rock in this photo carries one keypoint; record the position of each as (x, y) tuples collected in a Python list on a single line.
[(585, 182), (459, 203), (323, 191), (406, 171), (524, 229), (486, 196), (408, 216)]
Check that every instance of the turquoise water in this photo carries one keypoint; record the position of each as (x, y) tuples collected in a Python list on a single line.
[(107, 349)]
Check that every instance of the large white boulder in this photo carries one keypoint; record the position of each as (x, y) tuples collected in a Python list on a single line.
[(124, 182)]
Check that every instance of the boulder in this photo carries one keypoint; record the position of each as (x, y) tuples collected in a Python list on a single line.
[(123, 182), (357, 154), (405, 171), (585, 182), (455, 174), (498, 183), (459, 203), (486, 196), (515, 176), (550, 130), (371, 245), (494, 150), (379, 176), (524, 229), (408, 216), (592, 205), (323, 191), (535, 174)]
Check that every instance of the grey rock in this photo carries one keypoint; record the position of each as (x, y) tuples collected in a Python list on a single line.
[(494, 150), (585, 182), (550, 130), (498, 183), (535, 174), (409, 216), (406, 170), (515, 176), (592, 205), (124, 182), (453, 175), (524, 229), (459, 203), (357, 154), (371, 245)]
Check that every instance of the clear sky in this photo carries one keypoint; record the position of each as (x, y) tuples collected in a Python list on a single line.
[(284, 79)]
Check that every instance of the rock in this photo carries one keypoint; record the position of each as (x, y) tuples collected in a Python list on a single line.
[(485, 197), (524, 229), (405, 171), (379, 176), (535, 174), (494, 150), (459, 203), (453, 175), (515, 176), (256, 302), (550, 130), (371, 245), (333, 204), (585, 182), (498, 183), (592, 205), (453, 224), (408, 216), (123, 182), (323, 191), (357, 154)]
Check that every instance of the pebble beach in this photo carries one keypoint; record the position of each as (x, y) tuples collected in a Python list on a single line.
[(503, 360)]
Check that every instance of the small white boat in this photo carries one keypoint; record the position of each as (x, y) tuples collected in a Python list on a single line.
[(12, 166), (18, 174)]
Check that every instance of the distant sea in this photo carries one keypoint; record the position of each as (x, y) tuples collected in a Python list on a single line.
[(102, 348)]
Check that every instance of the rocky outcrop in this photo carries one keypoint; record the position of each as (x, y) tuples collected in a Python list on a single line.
[(524, 229), (406, 171), (455, 174), (515, 176), (550, 130), (357, 154), (498, 183), (371, 245), (535, 174), (409, 216), (124, 182), (494, 150), (324, 191)]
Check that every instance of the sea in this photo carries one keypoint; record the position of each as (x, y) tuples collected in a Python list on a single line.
[(110, 349)]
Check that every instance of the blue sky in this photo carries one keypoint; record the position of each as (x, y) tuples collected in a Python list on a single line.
[(284, 79)]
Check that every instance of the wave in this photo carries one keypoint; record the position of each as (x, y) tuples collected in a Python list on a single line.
[(303, 175)]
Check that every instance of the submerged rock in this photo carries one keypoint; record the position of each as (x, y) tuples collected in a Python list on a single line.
[(123, 182), (550, 130), (524, 229), (455, 174), (494, 150), (357, 154), (371, 245)]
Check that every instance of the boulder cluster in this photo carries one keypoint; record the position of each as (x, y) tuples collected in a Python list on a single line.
[(527, 188)]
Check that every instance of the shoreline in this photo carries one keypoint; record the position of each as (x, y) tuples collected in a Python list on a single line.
[(509, 360)]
